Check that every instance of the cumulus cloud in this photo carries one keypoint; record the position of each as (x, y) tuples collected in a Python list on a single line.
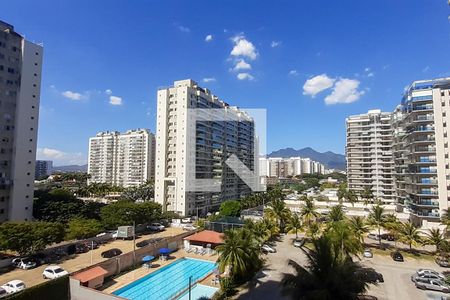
[(209, 79), (108, 92), (371, 74), (208, 38), (275, 44), (74, 95), (243, 47), (316, 84), (344, 91), (242, 65), (244, 76), (114, 100), (60, 157), (293, 72), (184, 28)]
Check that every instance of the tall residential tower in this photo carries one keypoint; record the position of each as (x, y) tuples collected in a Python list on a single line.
[(20, 84)]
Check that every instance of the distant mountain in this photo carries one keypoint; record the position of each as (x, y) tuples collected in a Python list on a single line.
[(330, 159), (71, 168)]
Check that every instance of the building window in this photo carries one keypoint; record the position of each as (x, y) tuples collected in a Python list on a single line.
[(28, 173)]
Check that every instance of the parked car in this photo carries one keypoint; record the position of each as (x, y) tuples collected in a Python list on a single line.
[(81, 248), (267, 249), (14, 286), (142, 243), (156, 227), (397, 256), (388, 237), (189, 227), (373, 236), (442, 262), (430, 284), (111, 253), (299, 243), (370, 275), (368, 253), (114, 234), (3, 293), (40, 258), (427, 274), (91, 244), (53, 272), (25, 263)]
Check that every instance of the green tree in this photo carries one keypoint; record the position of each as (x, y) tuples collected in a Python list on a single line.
[(326, 276), (352, 197), (336, 213), (29, 237), (83, 228), (359, 227), (344, 239), (445, 219), (278, 211), (308, 211), (313, 230), (143, 192), (342, 192), (125, 212), (58, 205), (230, 208), (377, 219), (435, 237), (409, 235), (367, 195), (294, 224)]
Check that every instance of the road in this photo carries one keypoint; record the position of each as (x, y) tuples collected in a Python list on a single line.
[(397, 276), (80, 261)]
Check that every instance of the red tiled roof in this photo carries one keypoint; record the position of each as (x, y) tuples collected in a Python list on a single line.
[(206, 236), (90, 274)]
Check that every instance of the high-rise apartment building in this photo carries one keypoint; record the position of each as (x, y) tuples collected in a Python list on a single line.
[(43, 168), (187, 149), (292, 166), (370, 162), (20, 83), (122, 159), (421, 124)]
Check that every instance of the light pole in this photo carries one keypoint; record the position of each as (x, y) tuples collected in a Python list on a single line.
[(134, 244)]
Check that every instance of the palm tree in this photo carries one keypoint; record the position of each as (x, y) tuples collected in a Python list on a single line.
[(377, 219), (445, 219), (367, 195), (359, 227), (409, 234), (352, 197), (309, 211), (277, 210), (342, 192), (294, 224), (336, 213), (435, 237), (392, 223), (313, 230), (344, 239), (327, 275)]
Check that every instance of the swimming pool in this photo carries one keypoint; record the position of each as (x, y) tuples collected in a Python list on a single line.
[(167, 281), (199, 291)]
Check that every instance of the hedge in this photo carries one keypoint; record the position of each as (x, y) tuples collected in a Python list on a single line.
[(56, 289)]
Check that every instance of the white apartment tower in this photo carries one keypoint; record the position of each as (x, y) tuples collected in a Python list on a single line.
[(212, 141), (421, 124), (369, 154), (292, 166), (122, 159), (20, 84)]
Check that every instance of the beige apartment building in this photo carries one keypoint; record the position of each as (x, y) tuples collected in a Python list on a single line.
[(188, 150), (122, 159), (20, 84), (292, 166), (369, 154)]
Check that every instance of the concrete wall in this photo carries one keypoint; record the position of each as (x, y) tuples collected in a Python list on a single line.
[(79, 292)]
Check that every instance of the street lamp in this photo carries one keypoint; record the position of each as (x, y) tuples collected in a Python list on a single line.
[(128, 213)]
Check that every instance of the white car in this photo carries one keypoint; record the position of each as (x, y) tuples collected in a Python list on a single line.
[(268, 249), (368, 253), (24, 263), (14, 286), (299, 243), (156, 227), (53, 272), (114, 235), (189, 227), (3, 293)]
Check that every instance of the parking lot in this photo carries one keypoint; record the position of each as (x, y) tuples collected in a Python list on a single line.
[(79, 261), (397, 275)]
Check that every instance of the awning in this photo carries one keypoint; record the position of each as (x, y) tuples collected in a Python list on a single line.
[(207, 237), (90, 274), (148, 258)]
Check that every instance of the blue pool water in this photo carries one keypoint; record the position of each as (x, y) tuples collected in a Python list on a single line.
[(199, 291), (167, 281)]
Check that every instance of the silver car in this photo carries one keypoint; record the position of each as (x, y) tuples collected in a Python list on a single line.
[(430, 284), (427, 274)]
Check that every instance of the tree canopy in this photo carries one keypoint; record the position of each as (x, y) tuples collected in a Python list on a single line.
[(230, 208), (125, 212)]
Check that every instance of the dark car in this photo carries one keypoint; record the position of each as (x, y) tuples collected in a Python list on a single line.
[(111, 253), (92, 244), (142, 244), (81, 248), (370, 275), (397, 256), (388, 237), (443, 262)]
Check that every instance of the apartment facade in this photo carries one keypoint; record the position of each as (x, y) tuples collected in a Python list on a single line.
[(20, 83), (292, 166), (369, 154), (422, 161), (122, 159), (188, 150), (43, 168)]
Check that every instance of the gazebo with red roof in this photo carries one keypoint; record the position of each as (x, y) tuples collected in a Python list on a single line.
[(204, 238), (92, 277)]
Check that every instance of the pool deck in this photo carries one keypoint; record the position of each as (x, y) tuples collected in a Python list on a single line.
[(129, 277)]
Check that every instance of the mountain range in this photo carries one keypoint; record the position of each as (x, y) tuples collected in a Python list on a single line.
[(70, 169), (330, 159)]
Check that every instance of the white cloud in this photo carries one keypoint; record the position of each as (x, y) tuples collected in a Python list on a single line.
[(108, 92), (60, 157), (114, 100), (344, 91), (367, 69), (275, 44), (208, 38), (243, 47), (209, 79), (184, 28), (244, 76), (371, 74), (318, 83), (293, 72), (242, 65), (426, 69), (74, 95)]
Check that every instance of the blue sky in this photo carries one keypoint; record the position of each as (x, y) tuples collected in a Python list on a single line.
[(312, 62)]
